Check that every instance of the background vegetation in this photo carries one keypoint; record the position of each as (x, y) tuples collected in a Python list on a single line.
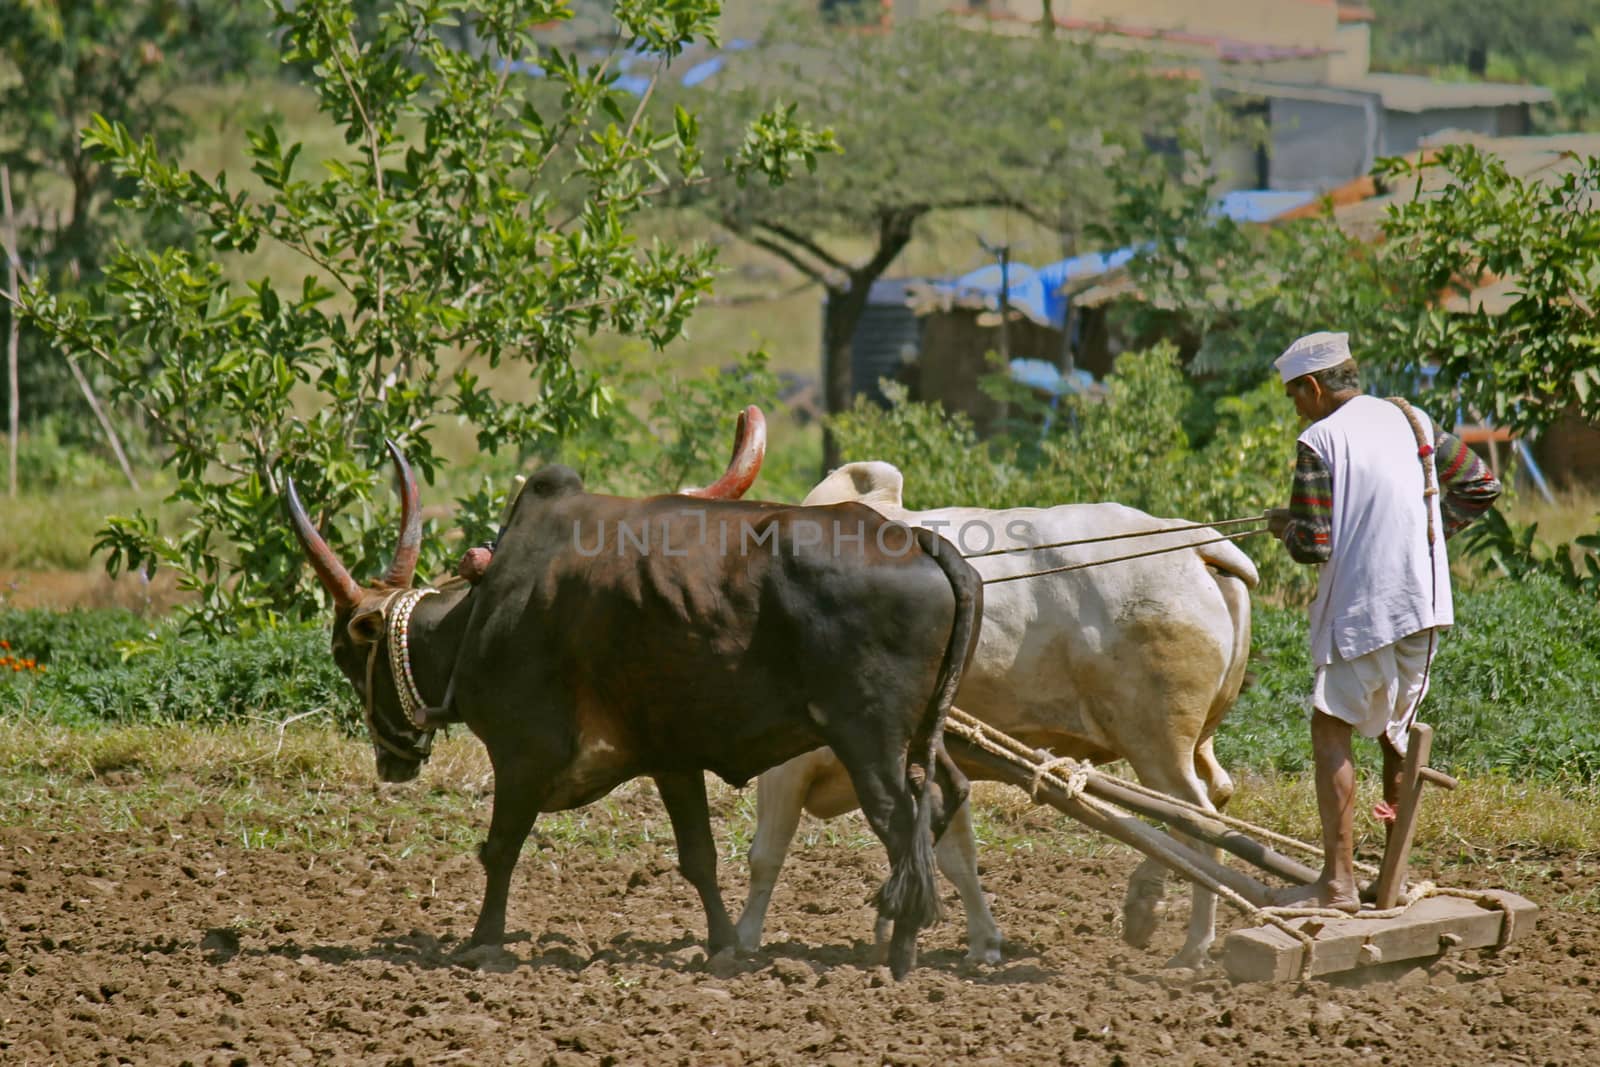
[(1512, 694)]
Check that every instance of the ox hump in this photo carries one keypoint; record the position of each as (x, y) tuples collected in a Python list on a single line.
[(872, 482)]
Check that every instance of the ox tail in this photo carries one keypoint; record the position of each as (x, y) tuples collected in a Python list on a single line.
[(1235, 589), (910, 894), (1229, 560)]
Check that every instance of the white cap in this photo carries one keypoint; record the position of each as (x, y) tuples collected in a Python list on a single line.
[(1313, 352)]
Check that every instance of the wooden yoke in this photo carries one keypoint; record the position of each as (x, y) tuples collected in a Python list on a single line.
[(1397, 852)]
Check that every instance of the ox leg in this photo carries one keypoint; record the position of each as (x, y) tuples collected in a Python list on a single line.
[(780, 795), (516, 805), (1219, 785), (909, 897), (684, 795), (1148, 884), (953, 790), (957, 852), (958, 859)]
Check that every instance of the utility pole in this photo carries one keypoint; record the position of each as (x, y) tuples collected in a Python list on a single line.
[(1003, 252), (13, 402)]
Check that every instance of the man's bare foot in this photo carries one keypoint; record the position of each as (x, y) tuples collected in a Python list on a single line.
[(1316, 895)]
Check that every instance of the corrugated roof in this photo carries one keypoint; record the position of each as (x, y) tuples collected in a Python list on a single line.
[(1545, 159), (1416, 93)]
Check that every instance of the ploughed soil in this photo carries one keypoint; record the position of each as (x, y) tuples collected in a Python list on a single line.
[(172, 941)]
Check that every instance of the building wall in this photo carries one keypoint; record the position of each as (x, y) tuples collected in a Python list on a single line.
[(1514, 120), (1317, 144), (1354, 58), (954, 359), (1403, 131), (1569, 453)]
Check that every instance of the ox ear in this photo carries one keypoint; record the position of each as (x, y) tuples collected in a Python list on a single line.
[(878, 482), (366, 627)]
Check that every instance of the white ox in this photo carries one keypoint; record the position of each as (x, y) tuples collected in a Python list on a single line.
[(1136, 660)]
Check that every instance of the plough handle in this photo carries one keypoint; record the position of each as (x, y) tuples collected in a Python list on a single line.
[(1414, 770), (1211, 832)]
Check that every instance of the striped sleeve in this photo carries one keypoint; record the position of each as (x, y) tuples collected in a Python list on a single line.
[(1468, 487), (1309, 533)]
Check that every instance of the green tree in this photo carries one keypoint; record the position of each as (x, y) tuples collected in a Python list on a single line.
[(1467, 33), (481, 216), (1538, 357), (1241, 291), (67, 60), (932, 118), (1246, 290)]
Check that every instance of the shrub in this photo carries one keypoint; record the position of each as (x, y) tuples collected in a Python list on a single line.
[(1129, 447), (112, 666)]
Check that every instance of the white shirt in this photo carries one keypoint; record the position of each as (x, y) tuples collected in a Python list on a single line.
[(1376, 587)]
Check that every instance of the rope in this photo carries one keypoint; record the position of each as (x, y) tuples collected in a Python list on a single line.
[(1077, 778), (1000, 744), (1120, 559), (1430, 489), (1118, 537)]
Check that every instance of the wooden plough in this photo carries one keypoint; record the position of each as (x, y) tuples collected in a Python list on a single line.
[(1286, 942)]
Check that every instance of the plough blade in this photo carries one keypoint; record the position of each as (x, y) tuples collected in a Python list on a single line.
[(1426, 929)]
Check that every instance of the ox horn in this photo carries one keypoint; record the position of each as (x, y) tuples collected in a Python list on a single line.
[(330, 572), (749, 448), (404, 566)]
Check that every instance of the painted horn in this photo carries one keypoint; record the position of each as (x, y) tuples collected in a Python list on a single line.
[(330, 572), (749, 448), (404, 566)]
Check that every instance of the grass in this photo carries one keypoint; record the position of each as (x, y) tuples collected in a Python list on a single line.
[(56, 530), (1572, 513), (1511, 690)]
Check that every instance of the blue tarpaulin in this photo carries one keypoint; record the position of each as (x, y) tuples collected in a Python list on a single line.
[(697, 74), (1037, 291)]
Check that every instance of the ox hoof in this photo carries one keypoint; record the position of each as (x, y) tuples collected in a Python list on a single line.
[(988, 954), (491, 958), (726, 964), (1141, 910), (1184, 962)]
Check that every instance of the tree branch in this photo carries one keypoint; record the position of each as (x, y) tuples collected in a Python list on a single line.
[(894, 233), (829, 279), (779, 230), (745, 299)]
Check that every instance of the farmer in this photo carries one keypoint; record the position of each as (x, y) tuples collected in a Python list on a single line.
[(1364, 508)]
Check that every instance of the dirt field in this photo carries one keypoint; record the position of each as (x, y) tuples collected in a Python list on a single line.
[(160, 937)]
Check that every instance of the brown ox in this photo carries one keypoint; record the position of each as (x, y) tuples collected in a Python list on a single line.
[(611, 638)]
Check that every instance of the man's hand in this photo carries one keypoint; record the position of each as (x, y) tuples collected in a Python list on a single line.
[(1277, 521)]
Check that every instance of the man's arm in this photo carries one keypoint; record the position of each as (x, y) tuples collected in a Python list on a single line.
[(1308, 531), (1467, 487)]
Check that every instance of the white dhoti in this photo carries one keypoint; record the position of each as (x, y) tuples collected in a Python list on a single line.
[(1380, 692)]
